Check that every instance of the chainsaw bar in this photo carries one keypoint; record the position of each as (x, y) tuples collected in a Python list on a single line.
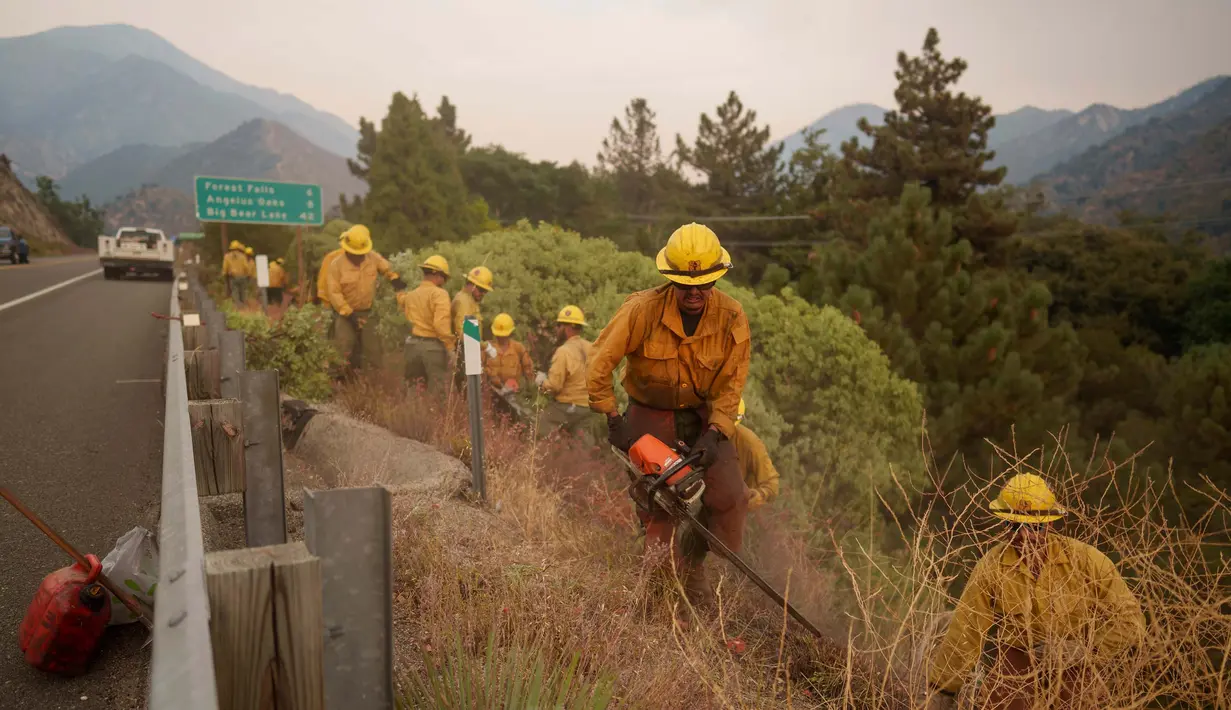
[(666, 499)]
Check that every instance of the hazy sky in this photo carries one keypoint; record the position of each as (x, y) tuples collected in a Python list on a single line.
[(546, 77)]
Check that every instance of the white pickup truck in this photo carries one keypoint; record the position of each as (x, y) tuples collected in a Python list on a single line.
[(136, 250)]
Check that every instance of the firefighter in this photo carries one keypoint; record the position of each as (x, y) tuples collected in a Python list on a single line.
[(688, 347), (235, 272), (508, 360), (430, 344), (466, 302), (322, 277), (760, 476), (351, 287), (1056, 602), (277, 280), (565, 380)]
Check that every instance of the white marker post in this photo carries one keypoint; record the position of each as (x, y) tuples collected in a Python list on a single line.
[(474, 396), (262, 279)]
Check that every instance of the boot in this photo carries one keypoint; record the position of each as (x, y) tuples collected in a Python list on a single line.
[(696, 585)]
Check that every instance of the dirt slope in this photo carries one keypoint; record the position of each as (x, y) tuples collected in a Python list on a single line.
[(21, 210)]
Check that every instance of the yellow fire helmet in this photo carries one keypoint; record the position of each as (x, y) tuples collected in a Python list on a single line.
[(248, 251), (236, 245), (693, 256), (739, 417), (280, 260), (571, 315), (480, 276), (436, 262), (356, 240), (502, 325), (1026, 499)]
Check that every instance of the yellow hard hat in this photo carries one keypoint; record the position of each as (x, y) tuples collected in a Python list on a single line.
[(280, 260), (236, 245), (693, 256), (502, 325), (740, 416), (480, 276), (357, 240), (571, 315), (248, 251), (1026, 499), (436, 262)]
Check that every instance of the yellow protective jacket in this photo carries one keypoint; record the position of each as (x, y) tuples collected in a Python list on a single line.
[(322, 278), (277, 275), (566, 379), (465, 305), (508, 364), (1078, 595), (352, 288), (427, 309), (759, 473), (235, 263), (668, 370)]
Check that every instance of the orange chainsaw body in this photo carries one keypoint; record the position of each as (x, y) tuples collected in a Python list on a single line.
[(652, 457)]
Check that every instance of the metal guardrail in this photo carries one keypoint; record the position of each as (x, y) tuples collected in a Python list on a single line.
[(182, 670)]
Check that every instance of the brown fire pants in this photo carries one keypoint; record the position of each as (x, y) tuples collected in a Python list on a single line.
[(725, 498)]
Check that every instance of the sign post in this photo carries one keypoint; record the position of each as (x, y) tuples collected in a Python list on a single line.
[(474, 396)]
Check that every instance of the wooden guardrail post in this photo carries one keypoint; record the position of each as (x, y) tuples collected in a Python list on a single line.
[(202, 367), (231, 346), (195, 337), (265, 624), (264, 496), (217, 427), (350, 530)]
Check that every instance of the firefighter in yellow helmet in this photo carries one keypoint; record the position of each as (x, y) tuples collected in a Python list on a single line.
[(235, 272), (1057, 603), (322, 276), (351, 287), (687, 346), (277, 280), (430, 344), (466, 303), (508, 361), (565, 381), (760, 476)]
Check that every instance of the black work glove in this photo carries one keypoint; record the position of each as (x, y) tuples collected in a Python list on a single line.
[(617, 432), (707, 446), (398, 285), (354, 320)]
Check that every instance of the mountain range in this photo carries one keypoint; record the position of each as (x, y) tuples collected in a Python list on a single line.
[(1029, 141)]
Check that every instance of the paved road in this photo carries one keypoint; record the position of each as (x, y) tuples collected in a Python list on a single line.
[(81, 443)]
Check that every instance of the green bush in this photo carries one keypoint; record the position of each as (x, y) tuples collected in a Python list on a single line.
[(295, 345), (820, 393)]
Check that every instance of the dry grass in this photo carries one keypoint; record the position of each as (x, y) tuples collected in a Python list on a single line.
[(554, 563)]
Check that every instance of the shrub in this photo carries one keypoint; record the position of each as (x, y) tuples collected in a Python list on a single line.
[(296, 345)]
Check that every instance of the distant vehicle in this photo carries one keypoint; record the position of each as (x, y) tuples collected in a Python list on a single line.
[(8, 245), (136, 250)]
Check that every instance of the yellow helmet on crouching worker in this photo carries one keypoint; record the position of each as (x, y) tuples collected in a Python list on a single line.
[(249, 251), (236, 245), (571, 315), (1026, 499), (480, 276), (693, 256), (502, 325), (357, 240), (437, 263)]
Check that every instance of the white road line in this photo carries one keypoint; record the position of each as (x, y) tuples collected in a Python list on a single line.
[(135, 382), (49, 289)]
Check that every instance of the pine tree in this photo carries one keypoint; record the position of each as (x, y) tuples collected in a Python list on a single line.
[(446, 116), (742, 172), (936, 138), (632, 158), (415, 189), (977, 340)]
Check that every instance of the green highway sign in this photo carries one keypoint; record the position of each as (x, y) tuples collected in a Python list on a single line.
[(239, 201), (182, 236)]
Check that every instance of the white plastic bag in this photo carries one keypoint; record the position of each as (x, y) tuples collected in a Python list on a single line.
[(132, 564)]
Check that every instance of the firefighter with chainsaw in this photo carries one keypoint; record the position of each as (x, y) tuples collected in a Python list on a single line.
[(235, 272), (1057, 604), (322, 277), (430, 343), (565, 381), (507, 363), (351, 288), (688, 347)]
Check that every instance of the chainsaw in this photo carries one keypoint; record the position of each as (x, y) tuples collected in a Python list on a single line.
[(663, 478)]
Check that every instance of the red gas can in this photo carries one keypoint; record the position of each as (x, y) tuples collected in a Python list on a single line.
[(63, 626)]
